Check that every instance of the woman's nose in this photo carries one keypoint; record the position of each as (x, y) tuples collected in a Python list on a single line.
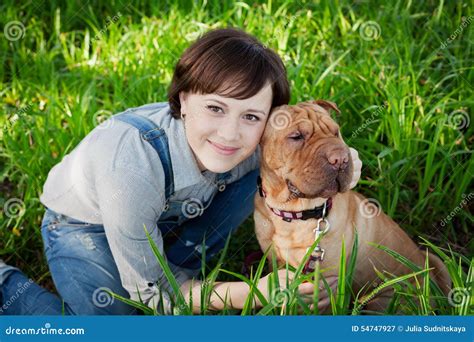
[(229, 130)]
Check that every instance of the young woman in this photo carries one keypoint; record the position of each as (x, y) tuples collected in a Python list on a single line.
[(185, 169)]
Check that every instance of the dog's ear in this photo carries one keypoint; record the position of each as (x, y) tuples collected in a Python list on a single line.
[(328, 105)]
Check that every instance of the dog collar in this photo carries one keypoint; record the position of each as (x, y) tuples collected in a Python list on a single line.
[(288, 216)]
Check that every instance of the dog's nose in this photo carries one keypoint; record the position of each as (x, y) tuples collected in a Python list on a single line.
[(338, 159)]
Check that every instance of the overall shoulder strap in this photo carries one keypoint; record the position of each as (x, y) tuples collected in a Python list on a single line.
[(157, 138)]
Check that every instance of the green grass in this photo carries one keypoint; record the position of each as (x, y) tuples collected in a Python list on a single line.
[(405, 93), (414, 293)]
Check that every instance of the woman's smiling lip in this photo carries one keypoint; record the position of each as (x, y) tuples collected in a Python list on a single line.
[(222, 149)]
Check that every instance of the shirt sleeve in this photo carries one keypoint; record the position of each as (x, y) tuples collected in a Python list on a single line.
[(128, 202)]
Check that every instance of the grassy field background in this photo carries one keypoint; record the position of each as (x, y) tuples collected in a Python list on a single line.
[(401, 72)]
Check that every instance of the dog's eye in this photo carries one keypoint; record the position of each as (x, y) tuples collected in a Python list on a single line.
[(296, 136)]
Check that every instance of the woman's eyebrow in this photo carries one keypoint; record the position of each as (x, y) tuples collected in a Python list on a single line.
[(250, 110)]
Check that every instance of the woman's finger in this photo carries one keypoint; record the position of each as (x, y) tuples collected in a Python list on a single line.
[(307, 289), (323, 304)]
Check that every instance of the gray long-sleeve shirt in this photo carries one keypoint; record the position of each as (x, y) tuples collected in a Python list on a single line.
[(115, 178)]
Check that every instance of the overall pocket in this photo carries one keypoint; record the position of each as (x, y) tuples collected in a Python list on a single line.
[(57, 226)]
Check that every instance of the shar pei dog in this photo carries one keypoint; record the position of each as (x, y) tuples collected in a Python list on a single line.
[(305, 170)]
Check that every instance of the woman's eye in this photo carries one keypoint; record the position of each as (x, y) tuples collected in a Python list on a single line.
[(252, 117), (214, 109)]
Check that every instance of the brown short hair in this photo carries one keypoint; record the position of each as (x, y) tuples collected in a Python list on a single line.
[(231, 63)]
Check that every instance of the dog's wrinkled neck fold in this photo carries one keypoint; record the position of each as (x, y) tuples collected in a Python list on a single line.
[(317, 212), (280, 197), (277, 188)]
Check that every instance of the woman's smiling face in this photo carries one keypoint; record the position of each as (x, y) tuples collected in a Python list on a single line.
[(223, 131)]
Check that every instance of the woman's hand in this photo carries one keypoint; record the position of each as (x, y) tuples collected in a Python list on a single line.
[(305, 290), (324, 297), (357, 163)]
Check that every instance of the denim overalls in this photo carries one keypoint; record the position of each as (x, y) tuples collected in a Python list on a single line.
[(80, 271)]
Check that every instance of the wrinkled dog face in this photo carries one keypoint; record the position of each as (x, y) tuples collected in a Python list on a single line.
[(303, 146)]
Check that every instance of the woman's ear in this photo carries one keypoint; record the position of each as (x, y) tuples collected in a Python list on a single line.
[(183, 96)]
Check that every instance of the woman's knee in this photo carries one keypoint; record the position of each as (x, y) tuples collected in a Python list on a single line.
[(101, 301)]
